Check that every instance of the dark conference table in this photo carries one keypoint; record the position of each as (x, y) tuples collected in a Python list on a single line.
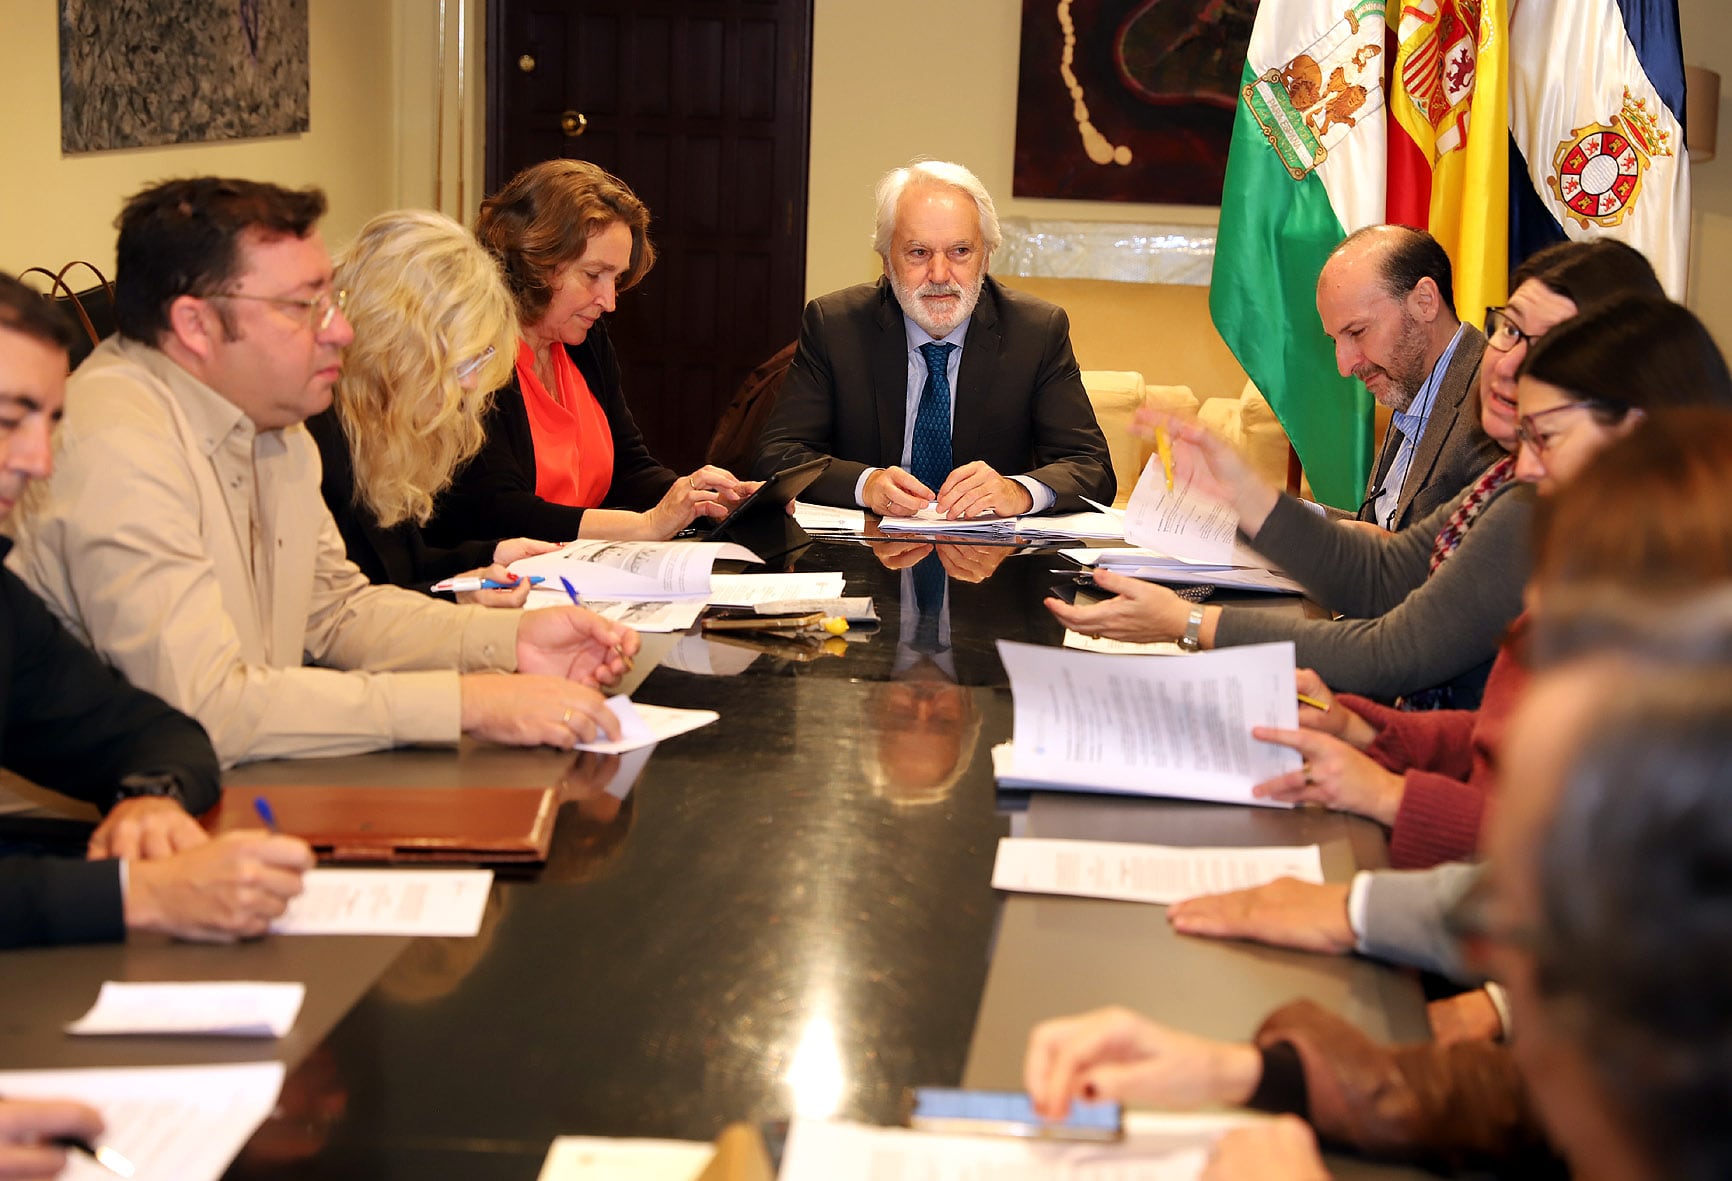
[(793, 892)]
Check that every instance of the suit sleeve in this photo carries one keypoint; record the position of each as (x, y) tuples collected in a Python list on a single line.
[(1070, 452), (75, 725), (802, 425), (52, 900)]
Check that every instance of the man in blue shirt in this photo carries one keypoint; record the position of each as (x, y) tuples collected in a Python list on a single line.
[(1386, 298)]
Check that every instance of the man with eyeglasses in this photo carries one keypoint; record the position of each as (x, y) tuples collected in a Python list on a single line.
[(1386, 299), (183, 534)]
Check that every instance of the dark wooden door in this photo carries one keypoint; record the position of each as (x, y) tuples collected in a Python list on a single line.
[(701, 106)]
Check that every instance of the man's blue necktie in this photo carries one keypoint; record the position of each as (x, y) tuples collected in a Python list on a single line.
[(929, 458)]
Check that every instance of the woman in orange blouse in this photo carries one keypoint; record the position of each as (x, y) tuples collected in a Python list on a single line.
[(563, 456)]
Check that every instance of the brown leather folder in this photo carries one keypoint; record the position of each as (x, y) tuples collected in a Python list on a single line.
[(453, 825)]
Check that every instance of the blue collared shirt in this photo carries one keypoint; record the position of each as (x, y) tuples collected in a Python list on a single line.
[(1411, 423), (1042, 496)]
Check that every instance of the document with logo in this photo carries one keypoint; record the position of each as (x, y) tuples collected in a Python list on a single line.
[(632, 569), (1087, 721), (1144, 873)]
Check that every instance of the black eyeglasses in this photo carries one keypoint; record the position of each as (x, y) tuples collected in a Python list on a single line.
[(1502, 333)]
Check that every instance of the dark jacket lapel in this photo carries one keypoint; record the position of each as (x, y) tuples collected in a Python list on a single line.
[(890, 376), (974, 379)]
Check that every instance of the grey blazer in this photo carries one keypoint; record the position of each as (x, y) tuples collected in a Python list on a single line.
[(1020, 403), (1452, 450), (1403, 917)]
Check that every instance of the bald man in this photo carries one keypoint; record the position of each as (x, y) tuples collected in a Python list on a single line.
[(1386, 298)]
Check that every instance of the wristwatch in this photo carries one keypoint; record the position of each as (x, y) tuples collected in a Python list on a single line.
[(150, 783), (1192, 640)]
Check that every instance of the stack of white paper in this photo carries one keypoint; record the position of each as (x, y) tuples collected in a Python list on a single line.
[(632, 569), (1144, 873), (1155, 1148), (930, 520), (1092, 722), (174, 1123), (1154, 566), (222, 1008), (1102, 525), (748, 590), (824, 518)]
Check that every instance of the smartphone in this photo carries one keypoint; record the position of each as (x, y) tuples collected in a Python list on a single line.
[(999, 1113), (1068, 591)]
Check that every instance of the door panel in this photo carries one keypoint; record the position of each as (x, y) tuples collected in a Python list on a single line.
[(702, 107)]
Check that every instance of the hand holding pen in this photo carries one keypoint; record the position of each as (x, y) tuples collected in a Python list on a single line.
[(36, 1134)]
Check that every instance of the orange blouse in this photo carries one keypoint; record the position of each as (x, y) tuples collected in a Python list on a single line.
[(573, 440)]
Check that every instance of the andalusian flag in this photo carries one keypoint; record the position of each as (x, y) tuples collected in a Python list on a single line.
[(1448, 148), (1306, 168)]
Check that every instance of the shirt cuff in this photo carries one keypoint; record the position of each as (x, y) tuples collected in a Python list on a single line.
[(1043, 497), (860, 486), (1500, 1002), (489, 640), (1356, 907)]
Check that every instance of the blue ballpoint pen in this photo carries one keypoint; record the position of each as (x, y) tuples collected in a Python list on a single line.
[(263, 807), (459, 585), (571, 591)]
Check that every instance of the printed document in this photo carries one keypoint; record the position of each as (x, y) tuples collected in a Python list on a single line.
[(645, 725), (748, 590), (1154, 566), (644, 615), (633, 569), (1144, 873), (222, 1008), (388, 902), (1156, 1147), (174, 1123), (825, 518), (1186, 522), (1088, 721)]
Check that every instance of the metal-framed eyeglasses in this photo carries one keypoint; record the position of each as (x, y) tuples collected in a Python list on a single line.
[(1503, 333), (321, 309), (473, 365), (1528, 431)]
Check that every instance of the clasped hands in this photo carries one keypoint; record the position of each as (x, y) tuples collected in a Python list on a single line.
[(970, 491)]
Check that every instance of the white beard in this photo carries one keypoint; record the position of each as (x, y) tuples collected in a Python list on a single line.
[(921, 313)]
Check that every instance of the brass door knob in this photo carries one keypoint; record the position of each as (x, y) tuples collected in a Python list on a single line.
[(526, 63), (573, 124)]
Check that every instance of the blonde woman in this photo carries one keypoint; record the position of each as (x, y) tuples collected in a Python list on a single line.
[(434, 334)]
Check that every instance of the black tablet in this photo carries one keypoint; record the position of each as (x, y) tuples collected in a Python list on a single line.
[(761, 522)]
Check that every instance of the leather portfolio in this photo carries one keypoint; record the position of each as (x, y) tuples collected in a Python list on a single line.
[(456, 825)]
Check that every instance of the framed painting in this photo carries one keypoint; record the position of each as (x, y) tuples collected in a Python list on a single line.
[(1128, 100)]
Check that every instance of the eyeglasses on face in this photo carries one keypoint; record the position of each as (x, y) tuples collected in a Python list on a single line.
[(321, 309), (1529, 433), (1502, 333), (473, 365)]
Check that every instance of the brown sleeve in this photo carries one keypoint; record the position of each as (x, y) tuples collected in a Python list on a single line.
[(1452, 1105)]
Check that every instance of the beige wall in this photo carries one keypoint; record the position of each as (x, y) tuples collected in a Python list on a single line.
[(1707, 33), (882, 95), (370, 145), (895, 79)]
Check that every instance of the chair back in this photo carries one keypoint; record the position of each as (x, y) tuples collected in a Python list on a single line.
[(92, 308)]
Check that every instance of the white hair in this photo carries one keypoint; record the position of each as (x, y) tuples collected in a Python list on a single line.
[(933, 172)]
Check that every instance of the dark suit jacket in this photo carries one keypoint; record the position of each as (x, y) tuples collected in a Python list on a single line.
[(398, 556), (1452, 450), (1020, 403), (71, 723), (494, 493)]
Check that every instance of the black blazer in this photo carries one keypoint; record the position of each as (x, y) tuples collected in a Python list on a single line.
[(71, 723), (494, 493), (1020, 402), (398, 556)]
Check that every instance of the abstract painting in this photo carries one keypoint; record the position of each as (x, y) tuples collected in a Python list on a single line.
[(137, 73), (1128, 100)]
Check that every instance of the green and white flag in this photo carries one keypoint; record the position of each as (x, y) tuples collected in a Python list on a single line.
[(1306, 168)]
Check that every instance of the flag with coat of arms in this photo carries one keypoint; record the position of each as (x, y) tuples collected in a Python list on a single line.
[(1499, 126)]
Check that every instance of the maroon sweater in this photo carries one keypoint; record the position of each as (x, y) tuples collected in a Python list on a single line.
[(1448, 761)]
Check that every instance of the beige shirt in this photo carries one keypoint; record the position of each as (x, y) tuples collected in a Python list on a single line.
[(196, 553)]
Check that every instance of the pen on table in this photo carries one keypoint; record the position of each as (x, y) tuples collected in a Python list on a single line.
[(475, 584), (263, 807), (1164, 445), (1305, 699), (101, 1154)]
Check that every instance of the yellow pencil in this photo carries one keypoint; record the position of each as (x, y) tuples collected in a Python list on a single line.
[(1305, 699), (1164, 445)]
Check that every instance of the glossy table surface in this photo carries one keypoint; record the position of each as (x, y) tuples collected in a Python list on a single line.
[(790, 910)]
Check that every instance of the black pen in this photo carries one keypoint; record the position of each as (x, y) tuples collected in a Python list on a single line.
[(101, 1154)]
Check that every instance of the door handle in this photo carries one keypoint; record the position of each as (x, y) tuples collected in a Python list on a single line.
[(573, 123)]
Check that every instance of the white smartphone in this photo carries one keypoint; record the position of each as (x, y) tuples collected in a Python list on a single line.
[(1000, 1113)]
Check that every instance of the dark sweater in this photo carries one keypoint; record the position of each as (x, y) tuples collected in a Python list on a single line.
[(494, 493)]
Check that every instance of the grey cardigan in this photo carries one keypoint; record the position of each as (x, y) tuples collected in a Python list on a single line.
[(1404, 630), (1403, 917)]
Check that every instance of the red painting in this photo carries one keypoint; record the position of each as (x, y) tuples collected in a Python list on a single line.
[(1128, 100)]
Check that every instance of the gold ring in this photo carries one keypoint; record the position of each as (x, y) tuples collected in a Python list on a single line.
[(693, 481), (565, 719)]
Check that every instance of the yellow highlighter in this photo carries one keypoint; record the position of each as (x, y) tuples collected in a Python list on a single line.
[(1164, 446)]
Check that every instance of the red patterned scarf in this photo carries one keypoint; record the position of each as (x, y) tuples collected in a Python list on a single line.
[(1478, 496)]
